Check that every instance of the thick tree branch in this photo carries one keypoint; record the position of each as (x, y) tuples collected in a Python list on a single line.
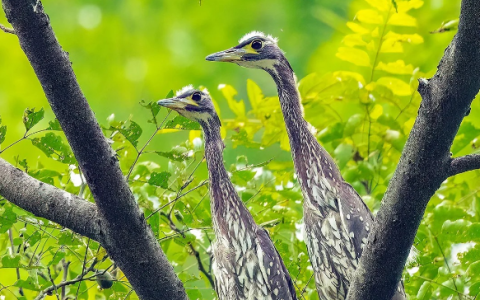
[(49, 202), (464, 164), (425, 161), (128, 239)]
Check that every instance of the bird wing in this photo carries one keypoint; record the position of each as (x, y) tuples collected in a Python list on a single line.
[(273, 268), (357, 218)]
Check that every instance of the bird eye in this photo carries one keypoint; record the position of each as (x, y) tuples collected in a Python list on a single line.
[(257, 44), (196, 97)]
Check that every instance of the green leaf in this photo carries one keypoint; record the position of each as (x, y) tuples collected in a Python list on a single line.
[(68, 238), (154, 110), (159, 179), (7, 218), (54, 125), (176, 154), (183, 241), (132, 133), (180, 122), (170, 94), (3, 132), (29, 284), (11, 262), (353, 55), (32, 117), (343, 153), (52, 145), (352, 124)]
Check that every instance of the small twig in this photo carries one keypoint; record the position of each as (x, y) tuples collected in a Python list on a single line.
[(446, 263), (54, 287), (201, 267), (176, 198), (464, 164), (84, 263), (10, 235), (65, 265), (305, 288), (139, 153), (6, 29), (25, 136)]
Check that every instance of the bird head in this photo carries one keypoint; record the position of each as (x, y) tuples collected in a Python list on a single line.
[(193, 104), (255, 50)]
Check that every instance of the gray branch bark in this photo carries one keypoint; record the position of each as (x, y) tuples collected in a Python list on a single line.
[(425, 161), (464, 164), (49, 202), (125, 234)]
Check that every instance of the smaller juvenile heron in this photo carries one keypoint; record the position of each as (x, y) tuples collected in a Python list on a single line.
[(246, 264)]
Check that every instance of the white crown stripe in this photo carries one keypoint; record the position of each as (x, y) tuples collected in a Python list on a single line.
[(185, 89), (259, 34)]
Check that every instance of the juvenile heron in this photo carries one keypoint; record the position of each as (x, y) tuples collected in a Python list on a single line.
[(246, 264), (336, 219)]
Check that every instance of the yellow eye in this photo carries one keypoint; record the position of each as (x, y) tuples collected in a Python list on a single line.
[(257, 44)]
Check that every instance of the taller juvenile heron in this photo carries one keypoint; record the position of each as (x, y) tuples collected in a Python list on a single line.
[(246, 263), (336, 219)]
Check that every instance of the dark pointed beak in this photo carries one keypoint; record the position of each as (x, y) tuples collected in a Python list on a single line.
[(229, 55), (175, 103)]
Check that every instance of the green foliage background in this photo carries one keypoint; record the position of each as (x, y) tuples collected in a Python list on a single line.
[(357, 62)]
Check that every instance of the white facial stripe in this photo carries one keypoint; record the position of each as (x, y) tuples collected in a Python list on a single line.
[(267, 64)]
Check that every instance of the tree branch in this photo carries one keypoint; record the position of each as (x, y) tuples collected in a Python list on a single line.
[(128, 239), (425, 161), (464, 164), (49, 202)]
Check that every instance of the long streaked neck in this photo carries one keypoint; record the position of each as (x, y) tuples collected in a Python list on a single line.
[(226, 203), (307, 152)]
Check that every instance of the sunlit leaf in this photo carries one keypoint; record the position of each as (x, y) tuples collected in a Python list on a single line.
[(404, 6), (369, 16), (397, 86), (402, 19), (397, 67), (32, 117), (357, 28), (382, 5), (237, 107), (352, 40), (355, 56), (376, 112)]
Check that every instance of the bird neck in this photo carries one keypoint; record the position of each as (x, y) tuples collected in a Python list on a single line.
[(309, 157), (229, 214)]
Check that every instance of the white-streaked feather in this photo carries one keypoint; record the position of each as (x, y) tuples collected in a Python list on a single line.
[(184, 90), (260, 34)]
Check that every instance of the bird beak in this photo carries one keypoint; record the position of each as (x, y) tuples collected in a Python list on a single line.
[(176, 103), (229, 55)]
